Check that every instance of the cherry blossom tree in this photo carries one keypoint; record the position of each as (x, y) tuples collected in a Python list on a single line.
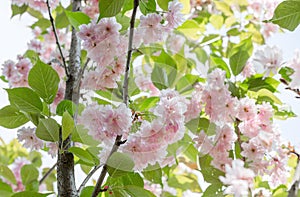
[(164, 98)]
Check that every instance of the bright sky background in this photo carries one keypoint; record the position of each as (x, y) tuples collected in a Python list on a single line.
[(15, 34)]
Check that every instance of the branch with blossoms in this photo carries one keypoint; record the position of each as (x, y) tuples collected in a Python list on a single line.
[(118, 140)]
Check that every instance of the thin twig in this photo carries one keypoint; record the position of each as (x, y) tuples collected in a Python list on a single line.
[(47, 174), (87, 178), (118, 140), (56, 39)]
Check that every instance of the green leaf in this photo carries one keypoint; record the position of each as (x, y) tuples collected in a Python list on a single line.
[(61, 21), (6, 173), (68, 125), (257, 82), (210, 174), (285, 73), (109, 8), (29, 173), (147, 6), (25, 100), (287, 15), (83, 155), (5, 189), (135, 191), (217, 21), (65, 105), (30, 193), (214, 190), (77, 18), (80, 134), (198, 124), (238, 62), (11, 118), (185, 182), (147, 103), (186, 83), (18, 10), (48, 130), (153, 173), (159, 77), (223, 7), (87, 191), (191, 29), (42, 23), (163, 4), (218, 62), (119, 164), (44, 80)]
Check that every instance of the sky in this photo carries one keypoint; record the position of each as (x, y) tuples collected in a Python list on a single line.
[(15, 34)]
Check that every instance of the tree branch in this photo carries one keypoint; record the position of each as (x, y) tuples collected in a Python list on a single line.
[(56, 38), (87, 178), (65, 161), (47, 174), (118, 140)]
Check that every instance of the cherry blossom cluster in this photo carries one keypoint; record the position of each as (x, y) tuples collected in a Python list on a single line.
[(39, 5), (17, 73), (44, 44), (105, 122), (261, 142), (149, 144), (152, 29), (264, 10), (107, 48)]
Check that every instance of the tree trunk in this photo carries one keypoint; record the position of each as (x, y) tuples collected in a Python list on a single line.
[(65, 161)]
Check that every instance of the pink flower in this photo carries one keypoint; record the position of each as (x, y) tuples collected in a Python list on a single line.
[(174, 15), (269, 59), (238, 178), (104, 122), (23, 66), (253, 150), (151, 28), (175, 43), (117, 120), (53, 148), (9, 69), (30, 139), (246, 109), (16, 169)]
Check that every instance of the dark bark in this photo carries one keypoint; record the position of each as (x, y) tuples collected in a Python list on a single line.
[(65, 161)]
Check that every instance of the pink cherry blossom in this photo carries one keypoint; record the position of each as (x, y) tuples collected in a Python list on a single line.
[(268, 59), (175, 43), (253, 150), (246, 109), (104, 122), (174, 15), (238, 178), (151, 28), (30, 139), (53, 148)]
